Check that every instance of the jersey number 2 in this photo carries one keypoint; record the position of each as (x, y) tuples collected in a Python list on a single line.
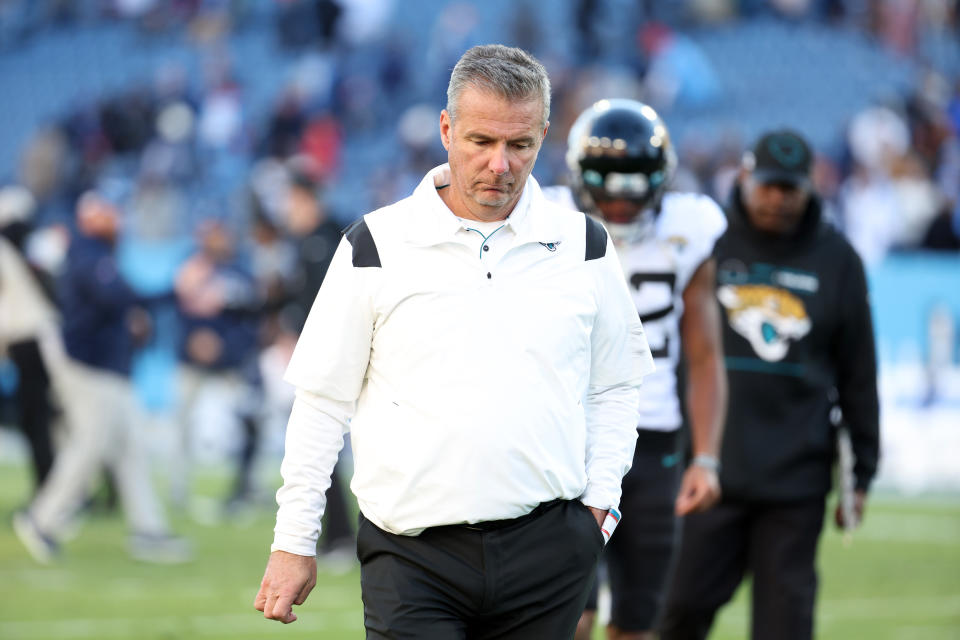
[(639, 280)]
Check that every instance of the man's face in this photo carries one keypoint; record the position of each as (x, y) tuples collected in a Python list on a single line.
[(491, 148), (619, 210), (303, 211), (216, 242), (774, 207), (98, 218)]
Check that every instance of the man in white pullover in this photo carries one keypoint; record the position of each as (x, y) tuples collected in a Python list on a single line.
[(484, 347)]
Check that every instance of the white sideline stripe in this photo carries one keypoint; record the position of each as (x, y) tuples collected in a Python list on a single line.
[(236, 624)]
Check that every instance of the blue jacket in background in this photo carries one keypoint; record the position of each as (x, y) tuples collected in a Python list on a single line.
[(236, 325), (95, 301)]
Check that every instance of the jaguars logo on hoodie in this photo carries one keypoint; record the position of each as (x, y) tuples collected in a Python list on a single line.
[(769, 318)]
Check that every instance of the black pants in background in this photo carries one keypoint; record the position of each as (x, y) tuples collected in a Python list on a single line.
[(642, 552), (514, 579), (336, 516), (775, 542), (33, 405)]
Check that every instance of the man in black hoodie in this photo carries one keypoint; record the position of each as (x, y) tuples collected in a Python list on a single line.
[(798, 341)]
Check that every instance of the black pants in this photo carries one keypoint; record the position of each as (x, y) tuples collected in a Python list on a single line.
[(525, 578), (33, 405), (776, 543)]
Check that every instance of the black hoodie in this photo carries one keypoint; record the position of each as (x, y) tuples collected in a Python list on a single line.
[(798, 341)]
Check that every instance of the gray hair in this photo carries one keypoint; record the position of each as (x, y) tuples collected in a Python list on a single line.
[(507, 71)]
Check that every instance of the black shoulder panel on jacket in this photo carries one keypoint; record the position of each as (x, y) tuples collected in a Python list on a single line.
[(365, 252), (596, 239)]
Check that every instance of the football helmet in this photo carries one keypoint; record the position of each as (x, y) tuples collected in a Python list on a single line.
[(622, 160)]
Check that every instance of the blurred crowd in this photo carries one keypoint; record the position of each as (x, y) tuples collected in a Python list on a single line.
[(357, 109), (252, 202)]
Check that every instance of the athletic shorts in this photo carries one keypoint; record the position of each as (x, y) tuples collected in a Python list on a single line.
[(640, 556)]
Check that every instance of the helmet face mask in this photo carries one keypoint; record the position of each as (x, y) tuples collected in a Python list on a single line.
[(619, 151)]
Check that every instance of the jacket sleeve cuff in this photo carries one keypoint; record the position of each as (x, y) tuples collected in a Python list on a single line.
[(296, 545), (599, 499)]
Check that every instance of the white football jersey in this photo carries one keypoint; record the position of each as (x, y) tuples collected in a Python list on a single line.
[(658, 267)]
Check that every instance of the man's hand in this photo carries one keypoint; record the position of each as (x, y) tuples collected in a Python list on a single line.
[(859, 504), (599, 514), (204, 346), (139, 325), (699, 490), (288, 580)]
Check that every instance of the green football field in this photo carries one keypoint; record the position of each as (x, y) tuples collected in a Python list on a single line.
[(899, 580)]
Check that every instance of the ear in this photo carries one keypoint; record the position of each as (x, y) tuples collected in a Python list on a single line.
[(446, 127), (543, 136)]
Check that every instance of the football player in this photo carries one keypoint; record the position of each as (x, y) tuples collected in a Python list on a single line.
[(622, 160)]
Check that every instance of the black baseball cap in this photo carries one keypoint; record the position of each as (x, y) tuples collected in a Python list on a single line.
[(781, 156)]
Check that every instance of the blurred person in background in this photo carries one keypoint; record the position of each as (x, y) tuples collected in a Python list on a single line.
[(889, 200), (482, 346), (272, 258), (315, 237), (27, 314), (294, 242), (217, 304), (943, 234), (303, 23), (622, 161), (798, 343), (104, 321)]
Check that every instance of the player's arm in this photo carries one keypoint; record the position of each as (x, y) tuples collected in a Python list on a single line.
[(706, 389)]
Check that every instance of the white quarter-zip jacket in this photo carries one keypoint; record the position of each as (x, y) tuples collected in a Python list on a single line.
[(475, 383)]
